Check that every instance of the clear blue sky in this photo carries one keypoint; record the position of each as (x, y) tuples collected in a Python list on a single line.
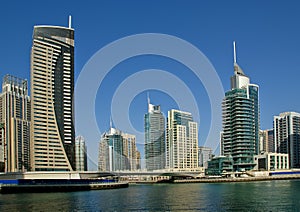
[(267, 35)]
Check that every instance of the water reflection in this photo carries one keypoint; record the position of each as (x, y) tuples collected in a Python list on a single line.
[(254, 196)]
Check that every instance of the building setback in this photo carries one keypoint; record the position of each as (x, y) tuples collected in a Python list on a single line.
[(240, 137), (287, 136), (154, 123), (182, 141), (15, 129), (52, 87)]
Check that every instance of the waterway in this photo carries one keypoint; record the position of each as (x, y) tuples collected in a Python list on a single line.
[(281, 195)]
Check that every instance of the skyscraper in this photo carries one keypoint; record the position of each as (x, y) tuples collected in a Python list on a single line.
[(270, 140), (182, 141), (2, 144), (241, 120), (117, 151), (205, 154), (52, 86), (129, 151), (15, 116), (111, 151), (80, 154), (287, 136), (262, 142), (267, 141), (154, 123)]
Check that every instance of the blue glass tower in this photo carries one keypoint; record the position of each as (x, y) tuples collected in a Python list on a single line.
[(154, 123)]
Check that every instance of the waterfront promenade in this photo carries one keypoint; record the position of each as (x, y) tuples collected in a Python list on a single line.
[(238, 179), (246, 177)]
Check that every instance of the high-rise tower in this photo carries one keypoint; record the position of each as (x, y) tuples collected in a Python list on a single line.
[(240, 137), (154, 123), (287, 136), (52, 87), (117, 151), (182, 141), (80, 154), (15, 116)]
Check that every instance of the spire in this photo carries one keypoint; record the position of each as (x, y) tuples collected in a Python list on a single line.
[(70, 21), (239, 79), (234, 53), (110, 122), (148, 98), (150, 106), (237, 68)]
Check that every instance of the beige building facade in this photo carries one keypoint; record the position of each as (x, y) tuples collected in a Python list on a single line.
[(52, 87)]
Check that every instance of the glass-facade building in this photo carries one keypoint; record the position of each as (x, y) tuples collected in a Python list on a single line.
[(154, 123), (240, 114), (117, 151), (220, 165), (80, 154), (52, 88)]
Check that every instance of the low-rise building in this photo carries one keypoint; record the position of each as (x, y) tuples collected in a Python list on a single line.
[(220, 165), (271, 162)]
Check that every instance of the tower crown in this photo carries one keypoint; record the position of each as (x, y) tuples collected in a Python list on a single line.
[(239, 79)]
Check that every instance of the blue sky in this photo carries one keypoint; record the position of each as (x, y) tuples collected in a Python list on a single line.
[(267, 35)]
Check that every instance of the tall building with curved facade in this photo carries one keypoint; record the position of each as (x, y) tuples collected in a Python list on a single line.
[(240, 137), (52, 87)]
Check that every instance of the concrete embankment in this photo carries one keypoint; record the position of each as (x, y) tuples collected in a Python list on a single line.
[(241, 179)]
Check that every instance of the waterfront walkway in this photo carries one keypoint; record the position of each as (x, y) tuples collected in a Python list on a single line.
[(240, 179)]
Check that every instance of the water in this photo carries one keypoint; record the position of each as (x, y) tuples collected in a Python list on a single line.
[(250, 196)]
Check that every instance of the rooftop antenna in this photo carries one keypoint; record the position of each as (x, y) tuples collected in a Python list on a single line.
[(70, 21), (234, 52), (110, 122), (148, 98)]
